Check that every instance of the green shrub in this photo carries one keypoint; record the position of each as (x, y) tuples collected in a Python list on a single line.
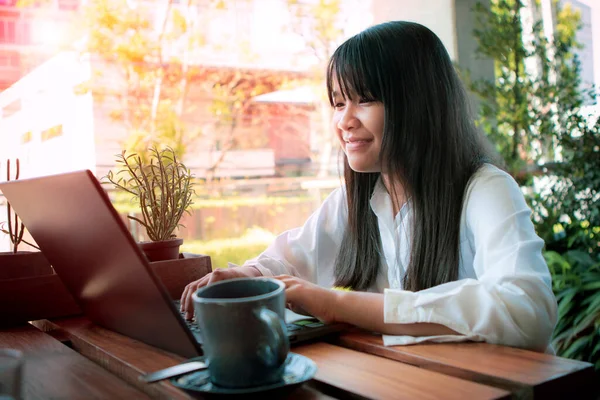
[(567, 217), (576, 284), (236, 250)]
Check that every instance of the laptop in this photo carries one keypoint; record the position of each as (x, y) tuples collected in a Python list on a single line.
[(74, 223)]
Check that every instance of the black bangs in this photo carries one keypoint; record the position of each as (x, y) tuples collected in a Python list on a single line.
[(349, 66)]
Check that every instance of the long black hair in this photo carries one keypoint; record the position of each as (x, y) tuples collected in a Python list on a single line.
[(430, 149)]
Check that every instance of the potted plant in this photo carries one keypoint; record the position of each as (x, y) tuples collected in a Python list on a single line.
[(15, 263), (162, 186)]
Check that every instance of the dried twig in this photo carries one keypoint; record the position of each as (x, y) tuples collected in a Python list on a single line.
[(15, 232)]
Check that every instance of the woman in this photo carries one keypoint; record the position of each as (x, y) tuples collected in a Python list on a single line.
[(434, 240)]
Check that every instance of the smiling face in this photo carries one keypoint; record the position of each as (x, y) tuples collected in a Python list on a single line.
[(358, 124)]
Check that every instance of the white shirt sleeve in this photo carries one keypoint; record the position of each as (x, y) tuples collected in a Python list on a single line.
[(308, 252), (511, 301)]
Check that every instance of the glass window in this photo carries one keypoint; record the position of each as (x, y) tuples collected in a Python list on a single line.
[(53, 132)]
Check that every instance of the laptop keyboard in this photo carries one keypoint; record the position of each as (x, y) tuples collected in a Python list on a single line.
[(299, 325), (190, 323)]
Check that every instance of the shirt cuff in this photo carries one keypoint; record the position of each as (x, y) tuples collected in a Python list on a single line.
[(403, 340), (267, 266), (401, 307), (264, 271)]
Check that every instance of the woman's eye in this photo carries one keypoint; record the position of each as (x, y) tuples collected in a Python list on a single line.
[(338, 105)]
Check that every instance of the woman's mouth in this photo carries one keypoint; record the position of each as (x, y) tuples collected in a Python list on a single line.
[(357, 144)]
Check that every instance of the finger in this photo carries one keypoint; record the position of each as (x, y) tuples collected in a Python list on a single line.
[(189, 307), (188, 304), (297, 308), (287, 279), (291, 295), (283, 277), (189, 290), (186, 292), (183, 298)]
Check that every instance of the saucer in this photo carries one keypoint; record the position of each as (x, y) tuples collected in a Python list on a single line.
[(297, 369)]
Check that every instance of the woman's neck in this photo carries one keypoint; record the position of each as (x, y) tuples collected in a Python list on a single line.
[(396, 192)]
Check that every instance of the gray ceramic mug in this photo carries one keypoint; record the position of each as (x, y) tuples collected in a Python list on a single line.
[(243, 331)]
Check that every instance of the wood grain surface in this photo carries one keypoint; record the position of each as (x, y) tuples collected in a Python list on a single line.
[(128, 358), (527, 374), (376, 377), (54, 371)]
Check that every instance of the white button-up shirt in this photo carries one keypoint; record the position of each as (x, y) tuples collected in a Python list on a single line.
[(503, 294)]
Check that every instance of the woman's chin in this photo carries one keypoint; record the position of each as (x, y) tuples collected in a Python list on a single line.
[(363, 169)]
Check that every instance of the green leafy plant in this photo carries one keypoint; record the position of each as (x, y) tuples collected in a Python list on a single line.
[(161, 184), (565, 211), (16, 229), (576, 284), (523, 109)]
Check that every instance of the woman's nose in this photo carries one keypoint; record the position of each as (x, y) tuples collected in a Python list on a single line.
[(348, 120)]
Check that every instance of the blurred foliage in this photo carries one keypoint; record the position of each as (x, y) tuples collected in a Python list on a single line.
[(576, 283), (536, 82), (152, 59), (132, 69), (123, 202), (567, 216), (566, 210), (169, 131), (532, 111), (321, 24), (236, 251), (568, 219), (234, 109)]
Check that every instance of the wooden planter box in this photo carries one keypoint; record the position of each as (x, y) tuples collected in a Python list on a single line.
[(176, 274), (44, 296), (23, 264), (29, 290), (38, 297)]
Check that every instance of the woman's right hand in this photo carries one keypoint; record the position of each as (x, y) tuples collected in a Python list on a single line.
[(220, 274)]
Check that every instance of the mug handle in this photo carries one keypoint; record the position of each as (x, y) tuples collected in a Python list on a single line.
[(278, 331)]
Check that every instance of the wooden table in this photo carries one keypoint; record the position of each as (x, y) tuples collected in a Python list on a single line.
[(54, 371), (526, 374), (353, 365)]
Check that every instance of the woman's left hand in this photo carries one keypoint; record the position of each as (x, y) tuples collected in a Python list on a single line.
[(305, 297)]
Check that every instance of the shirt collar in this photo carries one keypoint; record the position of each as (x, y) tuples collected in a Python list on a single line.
[(381, 203)]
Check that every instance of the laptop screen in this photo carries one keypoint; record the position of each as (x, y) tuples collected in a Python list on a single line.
[(82, 236)]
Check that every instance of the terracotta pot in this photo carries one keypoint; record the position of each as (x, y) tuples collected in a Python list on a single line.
[(23, 264), (161, 250)]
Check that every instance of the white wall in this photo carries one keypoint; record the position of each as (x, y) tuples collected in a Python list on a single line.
[(437, 15), (46, 98), (595, 20), (43, 99)]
